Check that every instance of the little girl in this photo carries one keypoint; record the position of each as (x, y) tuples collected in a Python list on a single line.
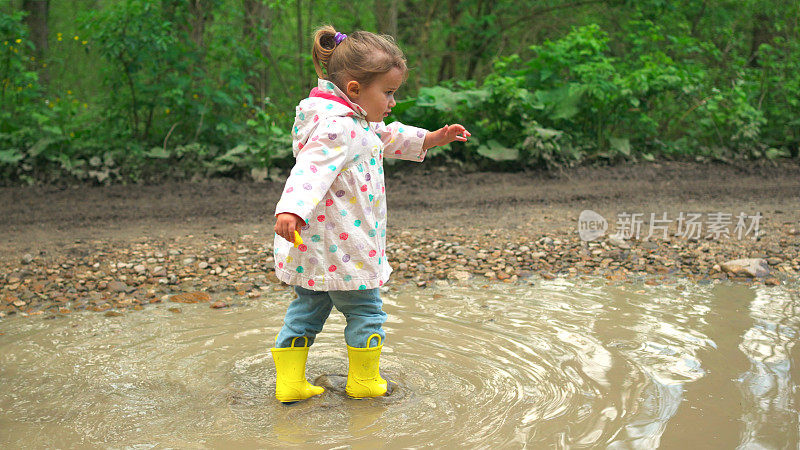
[(331, 219)]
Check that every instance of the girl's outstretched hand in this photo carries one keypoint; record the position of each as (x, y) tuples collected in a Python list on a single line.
[(446, 135)]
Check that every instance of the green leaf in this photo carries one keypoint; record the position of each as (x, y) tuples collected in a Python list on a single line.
[(547, 133), (497, 152), (234, 155), (621, 145), (10, 156), (157, 152), (40, 146), (774, 153), (563, 101)]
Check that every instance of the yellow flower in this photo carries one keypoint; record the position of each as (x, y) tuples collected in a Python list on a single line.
[(244, 104), (71, 134), (44, 65), (19, 88), (59, 34), (84, 42), (85, 106), (33, 58), (69, 92), (166, 110), (18, 41), (195, 96), (5, 42), (76, 38), (59, 38), (30, 85)]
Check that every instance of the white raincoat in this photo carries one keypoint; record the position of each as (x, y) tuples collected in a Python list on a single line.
[(337, 188)]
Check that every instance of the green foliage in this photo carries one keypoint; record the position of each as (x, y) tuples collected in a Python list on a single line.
[(572, 101), (142, 90)]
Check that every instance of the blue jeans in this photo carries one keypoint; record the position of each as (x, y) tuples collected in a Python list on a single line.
[(307, 314)]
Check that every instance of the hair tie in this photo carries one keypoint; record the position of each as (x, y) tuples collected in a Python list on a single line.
[(339, 37)]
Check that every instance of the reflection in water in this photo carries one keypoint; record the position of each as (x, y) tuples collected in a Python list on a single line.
[(668, 330), (500, 366), (769, 393)]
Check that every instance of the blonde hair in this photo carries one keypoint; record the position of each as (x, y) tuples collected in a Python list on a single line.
[(362, 56)]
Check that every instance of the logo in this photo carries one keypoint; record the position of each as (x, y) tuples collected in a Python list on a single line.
[(591, 225)]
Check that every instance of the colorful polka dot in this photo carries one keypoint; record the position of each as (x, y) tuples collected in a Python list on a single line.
[(332, 248)]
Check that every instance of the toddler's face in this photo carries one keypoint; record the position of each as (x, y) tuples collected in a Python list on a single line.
[(377, 99)]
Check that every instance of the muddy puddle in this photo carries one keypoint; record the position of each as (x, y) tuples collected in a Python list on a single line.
[(557, 364)]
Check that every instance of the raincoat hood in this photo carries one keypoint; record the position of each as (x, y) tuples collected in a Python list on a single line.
[(324, 101)]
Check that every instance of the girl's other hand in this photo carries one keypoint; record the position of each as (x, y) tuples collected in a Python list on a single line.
[(446, 135), (455, 132), (286, 224)]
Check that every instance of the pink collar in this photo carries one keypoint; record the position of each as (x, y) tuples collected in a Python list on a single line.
[(318, 93)]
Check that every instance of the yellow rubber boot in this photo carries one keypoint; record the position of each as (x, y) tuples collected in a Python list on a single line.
[(290, 364), (363, 379)]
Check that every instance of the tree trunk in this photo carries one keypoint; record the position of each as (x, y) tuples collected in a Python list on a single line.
[(36, 20), (256, 29), (300, 46), (386, 16), (201, 13), (447, 69), (762, 33)]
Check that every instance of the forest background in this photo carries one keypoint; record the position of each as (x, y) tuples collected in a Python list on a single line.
[(133, 91)]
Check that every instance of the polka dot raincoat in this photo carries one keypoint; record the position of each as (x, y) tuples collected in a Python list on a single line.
[(337, 188)]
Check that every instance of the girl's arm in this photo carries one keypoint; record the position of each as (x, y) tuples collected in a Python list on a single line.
[(402, 141), (318, 163), (412, 143)]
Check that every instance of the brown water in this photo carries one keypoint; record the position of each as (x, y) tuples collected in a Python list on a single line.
[(557, 364)]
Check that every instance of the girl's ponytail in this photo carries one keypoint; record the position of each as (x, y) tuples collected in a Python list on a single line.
[(324, 44)]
